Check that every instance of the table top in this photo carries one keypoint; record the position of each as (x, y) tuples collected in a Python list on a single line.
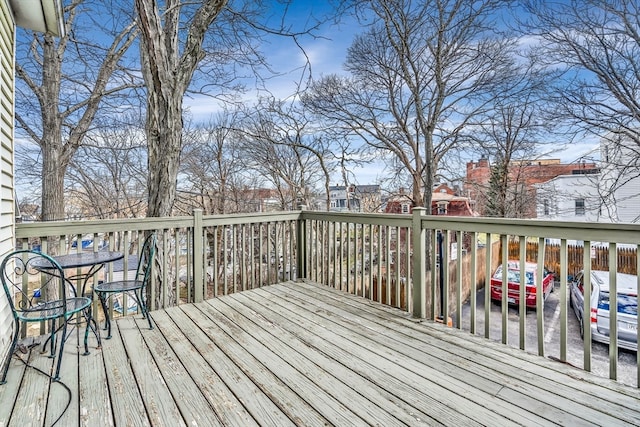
[(86, 259)]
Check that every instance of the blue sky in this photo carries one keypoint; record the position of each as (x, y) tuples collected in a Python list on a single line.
[(327, 55)]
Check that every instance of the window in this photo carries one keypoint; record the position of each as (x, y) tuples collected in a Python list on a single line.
[(405, 208), (579, 207), (546, 207), (627, 304), (442, 208)]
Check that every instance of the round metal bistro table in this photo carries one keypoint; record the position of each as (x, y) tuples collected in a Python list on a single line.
[(95, 261)]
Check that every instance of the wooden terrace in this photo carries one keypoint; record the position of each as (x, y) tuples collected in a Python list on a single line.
[(298, 353)]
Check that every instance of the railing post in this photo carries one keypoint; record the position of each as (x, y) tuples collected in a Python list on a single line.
[(198, 256), (419, 263), (302, 246)]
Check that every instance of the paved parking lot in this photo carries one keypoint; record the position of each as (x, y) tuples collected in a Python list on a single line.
[(627, 368)]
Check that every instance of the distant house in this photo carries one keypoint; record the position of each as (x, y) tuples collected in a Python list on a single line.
[(611, 194), (523, 174), (619, 185), (27, 212), (569, 198), (355, 198), (400, 203), (444, 201), (264, 199)]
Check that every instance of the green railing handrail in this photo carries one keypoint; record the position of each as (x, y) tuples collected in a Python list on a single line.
[(322, 253)]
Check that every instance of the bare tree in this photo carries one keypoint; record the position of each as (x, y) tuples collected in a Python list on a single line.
[(62, 83), (107, 177), (169, 60), (213, 166), (289, 151), (417, 77), (512, 132), (594, 46), (173, 49)]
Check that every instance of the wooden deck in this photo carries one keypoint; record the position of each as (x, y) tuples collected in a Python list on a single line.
[(303, 354)]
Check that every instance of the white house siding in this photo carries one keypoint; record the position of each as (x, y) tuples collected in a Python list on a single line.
[(620, 183), (627, 198), (7, 200), (556, 198)]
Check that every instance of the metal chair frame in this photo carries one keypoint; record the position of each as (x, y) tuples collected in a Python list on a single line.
[(135, 287), (49, 302)]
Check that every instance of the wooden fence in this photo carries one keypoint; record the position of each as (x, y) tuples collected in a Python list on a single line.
[(599, 257)]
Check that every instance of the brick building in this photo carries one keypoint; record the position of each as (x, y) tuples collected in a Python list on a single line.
[(526, 173), (444, 201)]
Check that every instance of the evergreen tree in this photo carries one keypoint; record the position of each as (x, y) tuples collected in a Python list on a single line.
[(498, 184)]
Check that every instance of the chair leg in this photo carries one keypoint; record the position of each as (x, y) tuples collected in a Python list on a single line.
[(93, 327), (12, 349), (52, 339), (105, 309), (143, 307), (49, 338), (56, 376)]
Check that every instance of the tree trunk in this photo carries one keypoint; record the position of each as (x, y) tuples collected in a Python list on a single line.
[(164, 133), (54, 166), (167, 69), (52, 184)]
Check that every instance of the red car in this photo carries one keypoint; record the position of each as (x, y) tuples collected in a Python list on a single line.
[(513, 276)]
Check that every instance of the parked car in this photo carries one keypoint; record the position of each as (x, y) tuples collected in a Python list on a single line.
[(513, 283), (627, 290)]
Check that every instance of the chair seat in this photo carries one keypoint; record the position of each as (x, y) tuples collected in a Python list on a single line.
[(54, 309), (119, 286)]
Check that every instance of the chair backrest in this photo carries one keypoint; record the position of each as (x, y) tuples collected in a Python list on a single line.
[(30, 279), (145, 263)]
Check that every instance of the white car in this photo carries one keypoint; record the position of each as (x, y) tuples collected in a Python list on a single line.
[(627, 288)]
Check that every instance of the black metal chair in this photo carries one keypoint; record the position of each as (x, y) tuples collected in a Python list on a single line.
[(35, 286), (134, 287)]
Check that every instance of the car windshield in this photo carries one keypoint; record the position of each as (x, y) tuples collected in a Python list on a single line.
[(513, 276), (627, 304)]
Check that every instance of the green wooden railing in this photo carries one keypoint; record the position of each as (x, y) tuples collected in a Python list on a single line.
[(383, 257)]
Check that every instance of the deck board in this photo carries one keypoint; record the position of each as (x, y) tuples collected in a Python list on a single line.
[(234, 396), (370, 397), (308, 355), (317, 378), (61, 403), (200, 391), (246, 354), (514, 385), (368, 381), (126, 402), (161, 406), (390, 357), (522, 370)]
